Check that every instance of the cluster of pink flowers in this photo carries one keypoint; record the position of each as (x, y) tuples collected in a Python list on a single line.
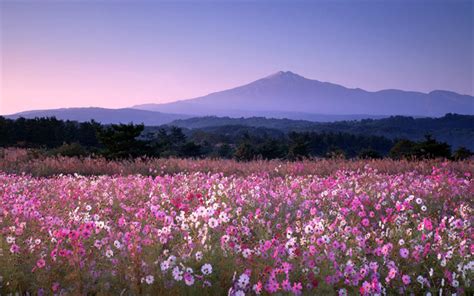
[(352, 232)]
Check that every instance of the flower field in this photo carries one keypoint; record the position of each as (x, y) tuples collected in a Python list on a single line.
[(345, 232)]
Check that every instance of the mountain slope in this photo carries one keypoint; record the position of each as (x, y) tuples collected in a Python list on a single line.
[(103, 115), (286, 94)]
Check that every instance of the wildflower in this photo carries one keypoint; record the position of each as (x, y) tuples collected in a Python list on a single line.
[(257, 288), (188, 279), (246, 253), (239, 293), (109, 253), (243, 281), (213, 222), (177, 274), (404, 253), (10, 239), (14, 249), (206, 269), (342, 292), (297, 288), (406, 279), (165, 265), (41, 263), (149, 279), (198, 255), (117, 244)]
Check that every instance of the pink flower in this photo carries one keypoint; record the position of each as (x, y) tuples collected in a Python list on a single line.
[(41, 263), (406, 279), (297, 288), (365, 222), (404, 252), (15, 249)]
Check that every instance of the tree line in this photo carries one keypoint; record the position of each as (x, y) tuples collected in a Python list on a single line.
[(70, 138)]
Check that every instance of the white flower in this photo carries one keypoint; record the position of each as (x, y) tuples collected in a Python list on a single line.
[(223, 217), (10, 239), (418, 200), (239, 293), (246, 253), (206, 269), (198, 255), (109, 253), (165, 265), (423, 208), (117, 244), (149, 279), (243, 281), (401, 242), (37, 241), (177, 274), (88, 208), (172, 260), (455, 283), (213, 223)]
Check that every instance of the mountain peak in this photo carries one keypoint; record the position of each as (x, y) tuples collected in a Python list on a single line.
[(284, 74)]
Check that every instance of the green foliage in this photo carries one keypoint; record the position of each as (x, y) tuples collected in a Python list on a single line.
[(269, 139), (369, 154), (225, 151), (120, 141), (70, 150), (403, 149), (299, 145), (245, 152), (430, 148), (462, 153)]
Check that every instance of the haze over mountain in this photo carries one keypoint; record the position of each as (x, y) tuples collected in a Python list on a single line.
[(103, 115), (286, 94)]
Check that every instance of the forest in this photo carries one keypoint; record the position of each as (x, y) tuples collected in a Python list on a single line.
[(240, 142)]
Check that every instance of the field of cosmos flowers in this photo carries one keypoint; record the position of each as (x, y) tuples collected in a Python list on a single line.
[(356, 229)]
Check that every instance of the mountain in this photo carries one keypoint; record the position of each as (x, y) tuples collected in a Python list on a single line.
[(103, 115), (289, 95)]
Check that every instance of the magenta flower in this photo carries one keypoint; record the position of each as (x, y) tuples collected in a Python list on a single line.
[(404, 252)]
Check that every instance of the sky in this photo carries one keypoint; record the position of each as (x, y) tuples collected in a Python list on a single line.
[(117, 54)]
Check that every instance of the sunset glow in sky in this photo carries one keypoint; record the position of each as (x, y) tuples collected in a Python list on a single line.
[(116, 53)]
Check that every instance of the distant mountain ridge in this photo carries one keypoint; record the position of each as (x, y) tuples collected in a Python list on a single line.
[(289, 95), (457, 130), (103, 115)]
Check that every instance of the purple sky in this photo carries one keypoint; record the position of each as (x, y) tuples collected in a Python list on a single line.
[(118, 53)]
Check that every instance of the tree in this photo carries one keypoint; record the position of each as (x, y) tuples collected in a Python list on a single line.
[(190, 149), (462, 153), (245, 152), (369, 154), (120, 141), (402, 149), (225, 151), (430, 148), (271, 149), (299, 145)]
